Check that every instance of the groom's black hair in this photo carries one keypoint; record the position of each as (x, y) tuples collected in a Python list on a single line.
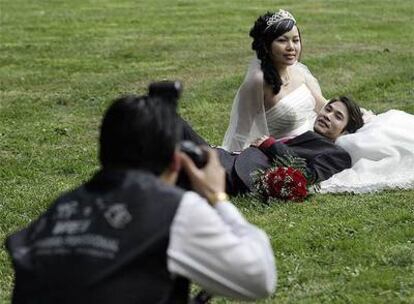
[(355, 115), (139, 132)]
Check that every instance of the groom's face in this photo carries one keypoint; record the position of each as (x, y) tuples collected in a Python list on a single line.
[(332, 120)]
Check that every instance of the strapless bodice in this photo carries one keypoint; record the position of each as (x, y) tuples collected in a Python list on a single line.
[(293, 114)]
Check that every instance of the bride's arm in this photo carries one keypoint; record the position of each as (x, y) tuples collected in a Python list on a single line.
[(247, 104), (313, 84)]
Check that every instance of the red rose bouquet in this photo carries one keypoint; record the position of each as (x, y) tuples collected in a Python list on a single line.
[(287, 180)]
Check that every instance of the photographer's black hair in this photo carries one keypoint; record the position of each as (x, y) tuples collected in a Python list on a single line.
[(263, 36), (355, 115), (139, 132)]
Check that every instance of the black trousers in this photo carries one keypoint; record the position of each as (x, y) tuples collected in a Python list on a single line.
[(234, 185)]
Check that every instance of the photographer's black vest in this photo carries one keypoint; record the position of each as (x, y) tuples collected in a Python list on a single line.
[(104, 242)]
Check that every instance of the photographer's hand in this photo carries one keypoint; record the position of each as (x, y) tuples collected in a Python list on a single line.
[(208, 181)]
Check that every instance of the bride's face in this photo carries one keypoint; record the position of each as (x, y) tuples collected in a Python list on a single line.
[(332, 120), (285, 49)]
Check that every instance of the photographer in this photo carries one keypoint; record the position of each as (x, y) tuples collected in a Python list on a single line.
[(128, 235)]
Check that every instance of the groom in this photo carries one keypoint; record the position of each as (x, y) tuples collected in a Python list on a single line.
[(340, 116)]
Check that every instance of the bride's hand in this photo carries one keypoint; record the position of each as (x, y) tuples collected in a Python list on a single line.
[(367, 115), (259, 141)]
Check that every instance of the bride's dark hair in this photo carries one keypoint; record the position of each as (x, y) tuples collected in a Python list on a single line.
[(263, 36)]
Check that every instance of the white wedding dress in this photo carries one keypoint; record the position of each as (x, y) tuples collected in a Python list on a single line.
[(293, 115), (382, 153)]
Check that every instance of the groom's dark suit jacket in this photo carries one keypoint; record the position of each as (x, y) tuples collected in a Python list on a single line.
[(323, 158)]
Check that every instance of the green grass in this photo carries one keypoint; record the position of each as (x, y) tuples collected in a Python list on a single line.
[(61, 63)]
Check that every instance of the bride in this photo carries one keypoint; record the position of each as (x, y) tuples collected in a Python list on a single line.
[(279, 96)]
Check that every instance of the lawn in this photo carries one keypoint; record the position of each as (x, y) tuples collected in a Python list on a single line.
[(62, 62)]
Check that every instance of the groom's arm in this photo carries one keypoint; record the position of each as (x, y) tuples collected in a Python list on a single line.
[(320, 167), (328, 163), (274, 149)]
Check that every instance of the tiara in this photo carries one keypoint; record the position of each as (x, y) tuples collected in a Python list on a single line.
[(279, 16)]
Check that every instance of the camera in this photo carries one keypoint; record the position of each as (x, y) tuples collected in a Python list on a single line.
[(170, 91), (198, 155), (167, 90)]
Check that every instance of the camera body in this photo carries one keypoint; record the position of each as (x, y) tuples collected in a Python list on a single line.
[(170, 91), (198, 155), (167, 90)]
